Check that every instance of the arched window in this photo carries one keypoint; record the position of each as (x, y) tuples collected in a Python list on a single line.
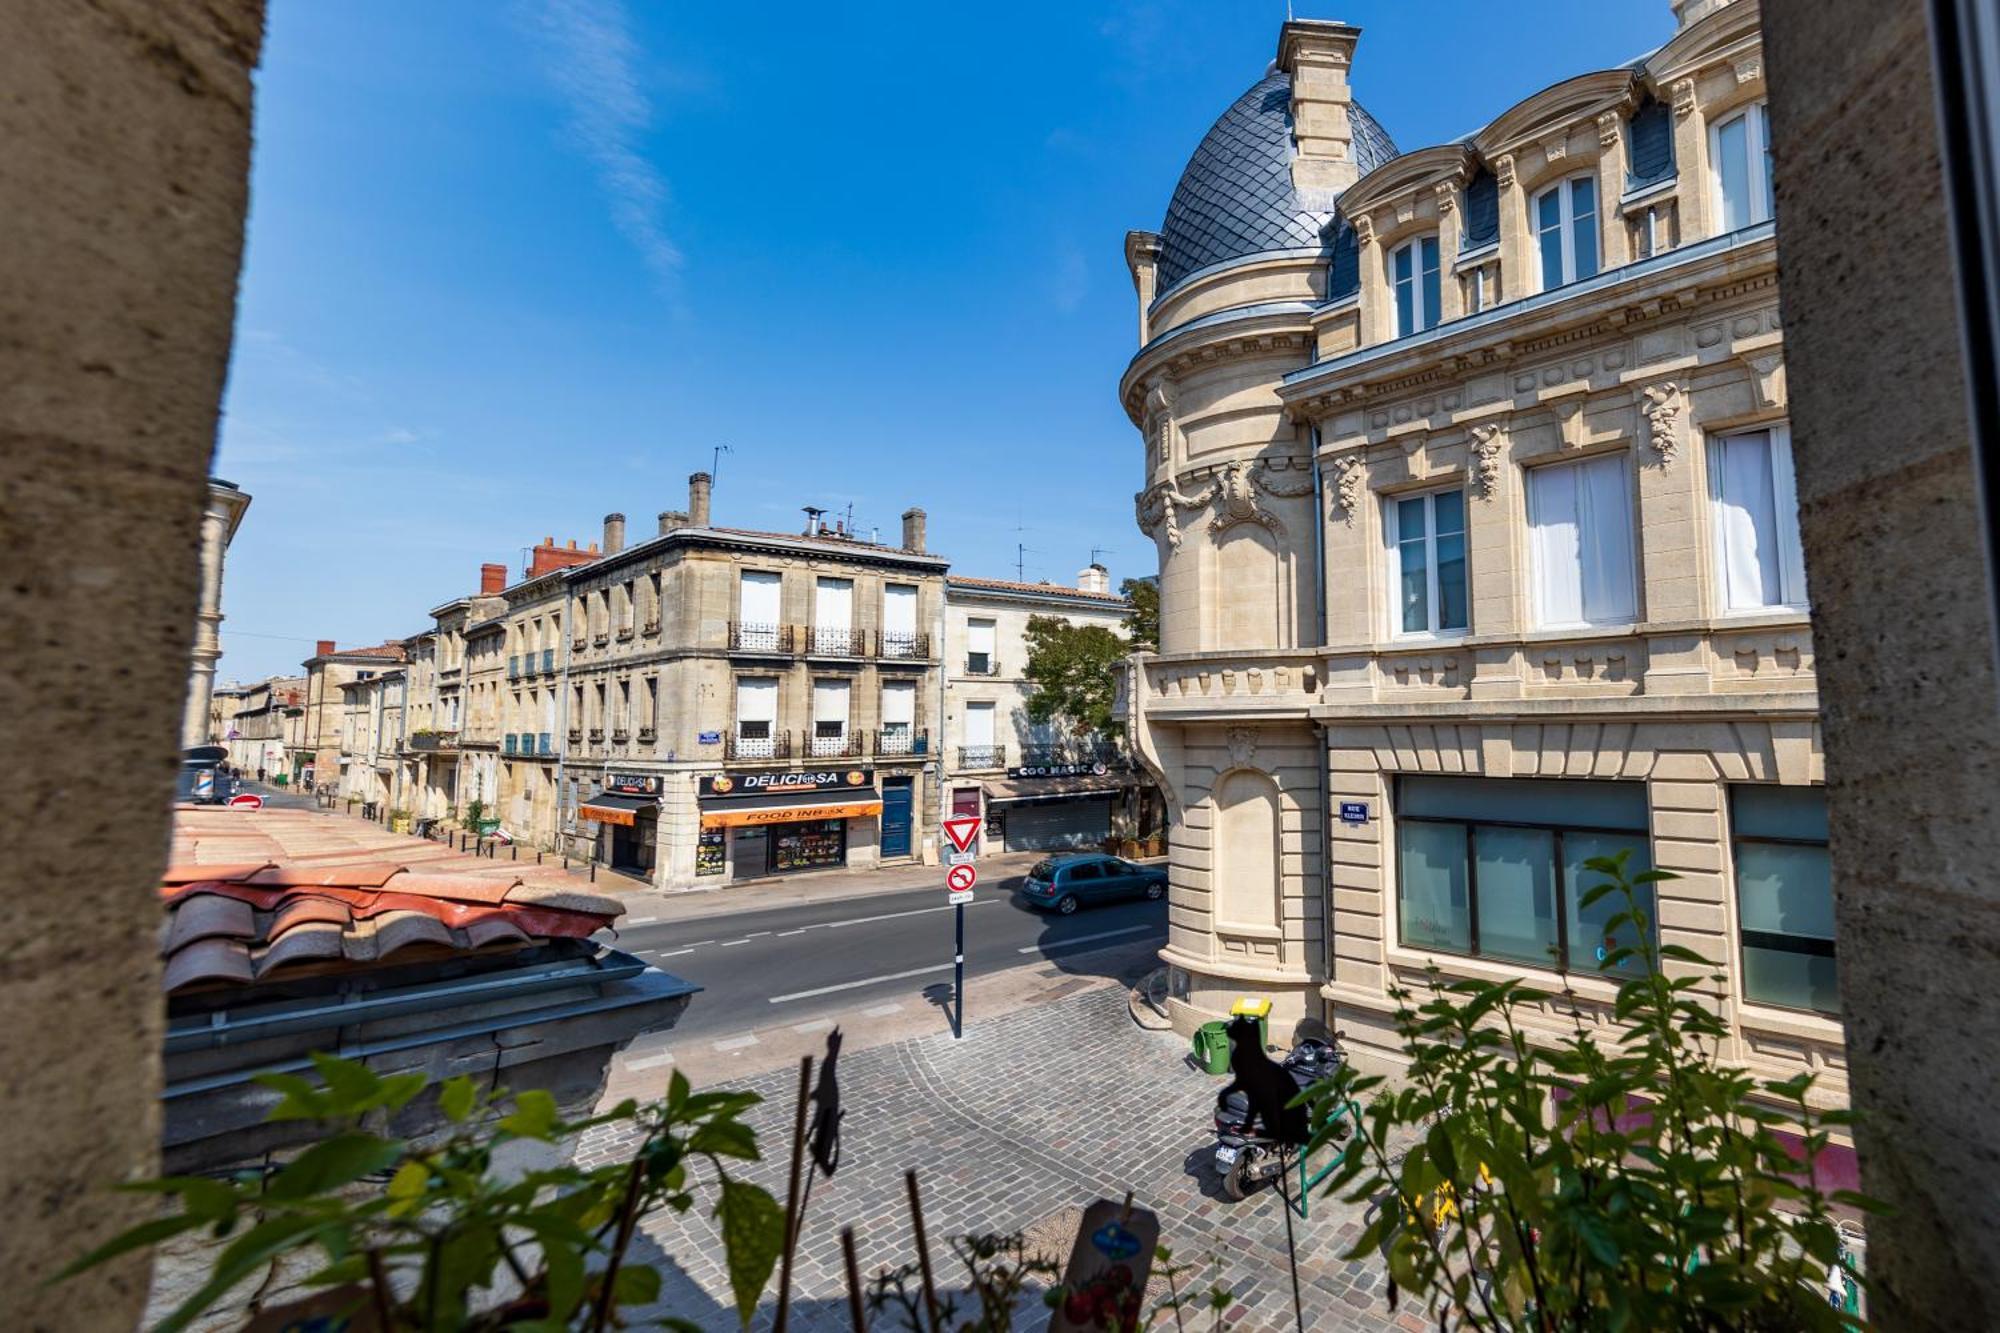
[(1566, 231), (1413, 278), (1247, 855)]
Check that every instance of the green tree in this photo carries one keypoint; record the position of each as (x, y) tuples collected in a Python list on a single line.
[(1075, 672), (1142, 622)]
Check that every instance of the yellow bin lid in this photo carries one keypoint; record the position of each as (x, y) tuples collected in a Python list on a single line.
[(1251, 1007)]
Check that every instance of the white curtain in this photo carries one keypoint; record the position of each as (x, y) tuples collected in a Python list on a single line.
[(760, 598), (1581, 520), (978, 724), (899, 608), (1746, 522), (899, 704), (830, 702), (757, 699)]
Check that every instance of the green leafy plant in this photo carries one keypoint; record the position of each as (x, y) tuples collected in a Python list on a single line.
[(1142, 622), (475, 811), (1074, 669), (1633, 1180), (1003, 1271), (432, 1237)]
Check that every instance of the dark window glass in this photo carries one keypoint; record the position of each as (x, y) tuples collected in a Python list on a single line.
[(1482, 209), (1784, 897), (1343, 274), (1085, 870), (1651, 138)]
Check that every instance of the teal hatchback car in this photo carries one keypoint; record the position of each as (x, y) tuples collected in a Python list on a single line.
[(1065, 883)]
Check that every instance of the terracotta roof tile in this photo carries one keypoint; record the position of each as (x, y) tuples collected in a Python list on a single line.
[(312, 942), (371, 875), (494, 931), (400, 930), (205, 916), (207, 960), (1045, 589), (191, 873), (459, 887), (563, 898)]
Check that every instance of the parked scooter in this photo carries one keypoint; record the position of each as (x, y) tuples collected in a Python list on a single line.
[(1249, 1160)]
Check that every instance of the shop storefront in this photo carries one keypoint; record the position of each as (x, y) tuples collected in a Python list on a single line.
[(627, 814), (757, 824), (1056, 807)]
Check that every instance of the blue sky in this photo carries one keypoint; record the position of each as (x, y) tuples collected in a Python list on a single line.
[(515, 265)]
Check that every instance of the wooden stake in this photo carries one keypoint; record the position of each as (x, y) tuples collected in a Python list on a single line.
[(923, 1252), (792, 1205), (855, 1308)]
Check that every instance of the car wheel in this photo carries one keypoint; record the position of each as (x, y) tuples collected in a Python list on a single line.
[(1066, 904), (1154, 890)]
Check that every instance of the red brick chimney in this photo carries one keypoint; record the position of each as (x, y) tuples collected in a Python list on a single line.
[(548, 556), (492, 580), (325, 648)]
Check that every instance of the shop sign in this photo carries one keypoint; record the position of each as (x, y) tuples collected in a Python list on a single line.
[(1097, 770), (634, 784), (789, 814), (1354, 812), (774, 784)]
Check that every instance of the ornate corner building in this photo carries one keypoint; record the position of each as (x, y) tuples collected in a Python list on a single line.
[(1470, 477)]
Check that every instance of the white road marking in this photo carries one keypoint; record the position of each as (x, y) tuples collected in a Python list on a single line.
[(865, 981), (915, 911), (731, 944), (1085, 939), (736, 1043), (755, 933), (651, 1061), (676, 953), (883, 1010), (800, 931), (813, 1025), (639, 921)]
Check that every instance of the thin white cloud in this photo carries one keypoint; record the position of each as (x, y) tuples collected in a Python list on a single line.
[(590, 60)]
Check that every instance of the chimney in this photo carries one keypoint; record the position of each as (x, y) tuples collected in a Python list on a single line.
[(492, 579), (913, 529), (698, 492), (614, 533), (671, 519), (1317, 53), (1094, 579), (325, 648)]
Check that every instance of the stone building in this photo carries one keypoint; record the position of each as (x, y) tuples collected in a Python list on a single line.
[(266, 712), (219, 521), (1032, 785), (1469, 471), (315, 758), (372, 769)]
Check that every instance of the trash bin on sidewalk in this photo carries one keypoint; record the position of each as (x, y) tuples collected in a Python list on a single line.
[(1258, 1008), (1211, 1047)]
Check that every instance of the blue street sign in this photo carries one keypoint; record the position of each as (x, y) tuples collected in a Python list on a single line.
[(710, 738), (1354, 812)]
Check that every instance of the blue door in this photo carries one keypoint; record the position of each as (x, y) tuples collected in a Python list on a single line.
[(896, 818)]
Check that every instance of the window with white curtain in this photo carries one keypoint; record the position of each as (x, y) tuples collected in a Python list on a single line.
[(1580, 537), (830, 716), (1566, 231), (1758, 563), (899, 620), (1739, 152), (1413, 276), (1427, 580), (833, 616)]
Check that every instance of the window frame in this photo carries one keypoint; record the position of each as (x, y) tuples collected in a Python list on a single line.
[(1772, 940), (1561, 963), (1635, 577), (1422, 319), (1564, 190), (1784, 499), (1393, 544), (1756, 118)]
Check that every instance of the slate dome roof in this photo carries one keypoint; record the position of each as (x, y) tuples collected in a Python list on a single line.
[(1236, 199)]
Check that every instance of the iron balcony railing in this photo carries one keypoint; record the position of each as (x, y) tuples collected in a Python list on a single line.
[(756, 637), (1080, 752), (739, 746), (597, 735), (845, 746), (982, 756), (981, 664), (648, 735), (902, 740), (894, 643), (620, 736), (433, 740), (827, 641)]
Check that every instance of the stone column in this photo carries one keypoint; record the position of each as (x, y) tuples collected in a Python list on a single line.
[(1377, 308), (1616, 241), (1451, 301), (1517, 243), (1690, 162)]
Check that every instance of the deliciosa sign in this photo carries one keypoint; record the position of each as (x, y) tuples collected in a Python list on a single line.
[(767, 784)]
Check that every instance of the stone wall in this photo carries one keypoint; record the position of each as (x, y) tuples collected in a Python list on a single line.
[(1896, 556), (124, 161)]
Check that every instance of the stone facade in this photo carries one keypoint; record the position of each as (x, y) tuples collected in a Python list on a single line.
[(264, 722), (219, 521), (1476, 524), (321, 735)]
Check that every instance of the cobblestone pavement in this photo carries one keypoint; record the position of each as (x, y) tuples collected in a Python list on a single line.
[(1034, 1113)]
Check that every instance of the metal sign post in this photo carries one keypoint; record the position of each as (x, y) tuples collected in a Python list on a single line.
[(959, 879)]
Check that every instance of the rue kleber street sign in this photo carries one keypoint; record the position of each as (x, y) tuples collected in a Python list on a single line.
[(962, 830)]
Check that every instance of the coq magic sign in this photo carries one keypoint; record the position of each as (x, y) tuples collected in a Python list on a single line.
[(777, 784)]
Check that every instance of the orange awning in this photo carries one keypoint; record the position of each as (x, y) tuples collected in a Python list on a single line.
[(735, 816), (615, 808)]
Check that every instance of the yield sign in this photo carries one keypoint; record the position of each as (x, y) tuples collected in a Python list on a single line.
[(962, 829)]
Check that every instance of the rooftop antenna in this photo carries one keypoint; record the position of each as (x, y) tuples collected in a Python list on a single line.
[(1096, 551), (1020, 552), (715, 463)]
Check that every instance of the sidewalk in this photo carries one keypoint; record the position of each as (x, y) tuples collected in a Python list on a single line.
[(805, 886)]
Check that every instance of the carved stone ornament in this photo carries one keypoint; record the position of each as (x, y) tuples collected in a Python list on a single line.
[(1503, 171), (1447, 197), (1238, 492), (1556, 149), (1242, 746), (1159, 421), (1272, 481), (1608, 126), (1663, 410), (1768, 373), (1364, 230), (1348, 473), (1162, 504), (1486, 446), (1749, 70), (1683, 95)]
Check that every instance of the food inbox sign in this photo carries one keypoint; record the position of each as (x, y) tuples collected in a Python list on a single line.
[(776, 784)]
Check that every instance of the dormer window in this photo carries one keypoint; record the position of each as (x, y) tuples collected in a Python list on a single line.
[(1740, 149), (1413, 275), (1566, 231)]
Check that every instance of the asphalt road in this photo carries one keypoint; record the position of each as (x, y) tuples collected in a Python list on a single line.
[(793, 963)]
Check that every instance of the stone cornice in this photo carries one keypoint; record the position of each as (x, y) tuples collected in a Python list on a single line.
[(1227, 335)]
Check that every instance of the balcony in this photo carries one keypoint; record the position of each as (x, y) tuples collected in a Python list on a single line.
[(754, 637), (981, 664), (826, 641), (600, 639), (647, 735), (892, 741), (576, 735), (845, 746), (738, 746), (548, 661), (982, 756), (620, 736), (579, 641), (433, 740), (906, 645)]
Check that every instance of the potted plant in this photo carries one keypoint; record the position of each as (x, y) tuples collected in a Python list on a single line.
[(476, 818), (399, 820)]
